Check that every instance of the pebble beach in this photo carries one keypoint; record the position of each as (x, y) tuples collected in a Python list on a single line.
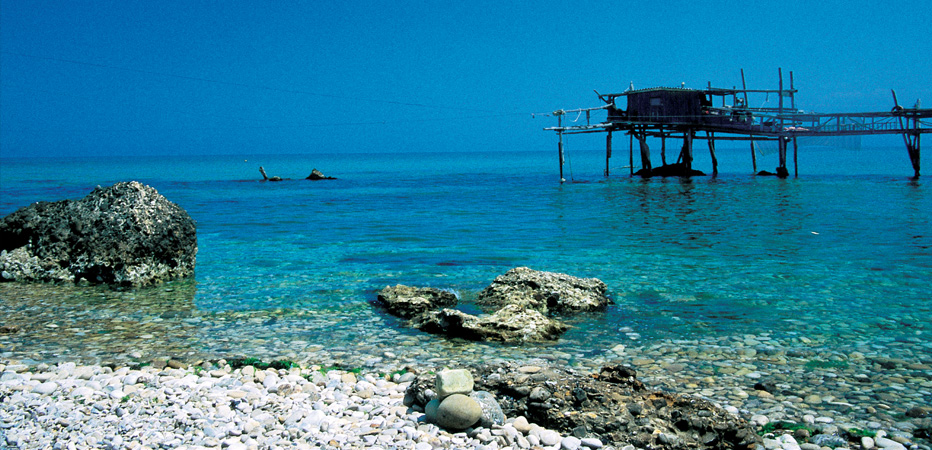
[(174, 404)]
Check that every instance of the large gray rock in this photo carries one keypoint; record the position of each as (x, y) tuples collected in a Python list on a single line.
[(458, 412), (544, 291), (512, 323), (127, 234), (406, 301)]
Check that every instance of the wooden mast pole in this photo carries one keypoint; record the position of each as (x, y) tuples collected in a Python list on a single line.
[(744, 87)]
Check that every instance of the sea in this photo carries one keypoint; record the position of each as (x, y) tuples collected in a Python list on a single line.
[(832, 264)]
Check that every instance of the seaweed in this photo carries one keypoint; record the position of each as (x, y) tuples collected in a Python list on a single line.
[(770, 427), (258, 364)]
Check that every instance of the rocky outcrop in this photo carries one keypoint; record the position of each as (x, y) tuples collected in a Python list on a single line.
[(519, 302), (407, 302), (509, 324), (127, 235), (318, 175), (670, 170), (544, 291), (612, 406)]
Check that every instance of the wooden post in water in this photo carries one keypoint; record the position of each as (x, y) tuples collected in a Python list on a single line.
[(688, 149), (795, 163), (560, 146), (663, 147), (631, 152), (913, 147), (781, 170), (710, 135), (645, 151), (608, 150), (916, 148), (744, 88)]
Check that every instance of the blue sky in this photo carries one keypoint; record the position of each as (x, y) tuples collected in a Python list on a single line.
[(210, 77)]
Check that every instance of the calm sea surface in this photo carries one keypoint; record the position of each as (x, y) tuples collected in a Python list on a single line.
[(840, 256)]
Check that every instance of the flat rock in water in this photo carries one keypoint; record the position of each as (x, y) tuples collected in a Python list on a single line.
[(407, 302), (509, 324), (544, 291), (127, 235)]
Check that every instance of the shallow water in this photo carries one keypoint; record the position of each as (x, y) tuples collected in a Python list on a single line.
[(841, 255)]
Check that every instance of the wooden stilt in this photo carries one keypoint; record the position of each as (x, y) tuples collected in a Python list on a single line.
[(608, 150), (711, 137), (631, 152), (688, 149), (560, 146), (560, 149), (645, 152), (781, 168), (753, 157), (915, 156), (744, 88), (663, 147), (795, 151)]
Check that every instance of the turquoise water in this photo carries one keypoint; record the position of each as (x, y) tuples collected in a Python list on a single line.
[(846, 246)]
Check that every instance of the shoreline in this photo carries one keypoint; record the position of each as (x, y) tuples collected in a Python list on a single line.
[(31, 395), (842, 377)]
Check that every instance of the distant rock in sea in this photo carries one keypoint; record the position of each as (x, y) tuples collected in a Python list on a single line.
[(125, 235), (318, 175)]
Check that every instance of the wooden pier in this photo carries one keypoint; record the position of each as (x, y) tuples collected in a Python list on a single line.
[(724, 114)]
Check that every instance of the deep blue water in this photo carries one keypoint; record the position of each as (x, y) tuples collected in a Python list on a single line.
[(849, 240)]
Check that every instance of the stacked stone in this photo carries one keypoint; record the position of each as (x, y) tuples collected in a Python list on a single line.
[(457, 407), (454, 408)]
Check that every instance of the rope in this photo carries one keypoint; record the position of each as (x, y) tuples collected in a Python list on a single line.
[(569, 162)]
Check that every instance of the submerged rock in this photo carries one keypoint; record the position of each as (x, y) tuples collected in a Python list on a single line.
[(509, 324), (670, 170), (407, 302), (127, 235), (545, 291), (520, 300), (318, 175)]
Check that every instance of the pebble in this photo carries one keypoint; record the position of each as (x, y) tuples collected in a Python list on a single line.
[(549, 437)]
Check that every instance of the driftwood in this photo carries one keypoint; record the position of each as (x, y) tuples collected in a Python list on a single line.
[(314, 176), (266, 177)]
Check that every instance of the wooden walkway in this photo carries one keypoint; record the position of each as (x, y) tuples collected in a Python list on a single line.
[(722, 114)]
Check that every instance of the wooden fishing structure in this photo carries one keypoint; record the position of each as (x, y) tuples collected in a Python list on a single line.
[(724, 114)]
